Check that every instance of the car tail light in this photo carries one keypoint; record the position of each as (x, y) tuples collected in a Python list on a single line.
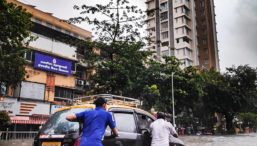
[(77, 142)]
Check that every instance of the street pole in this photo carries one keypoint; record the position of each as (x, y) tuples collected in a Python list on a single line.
[(173, 109)]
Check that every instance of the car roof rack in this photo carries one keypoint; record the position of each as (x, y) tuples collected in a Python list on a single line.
[(111, 100)]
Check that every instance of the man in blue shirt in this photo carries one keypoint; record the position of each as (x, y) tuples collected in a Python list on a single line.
[(94, 123)]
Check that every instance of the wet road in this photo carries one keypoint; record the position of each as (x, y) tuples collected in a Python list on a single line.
[(235, 140)]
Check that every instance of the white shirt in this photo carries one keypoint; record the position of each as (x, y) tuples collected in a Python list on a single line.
[(161, 131)]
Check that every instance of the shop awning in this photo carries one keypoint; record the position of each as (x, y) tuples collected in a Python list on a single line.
[(28, 120)]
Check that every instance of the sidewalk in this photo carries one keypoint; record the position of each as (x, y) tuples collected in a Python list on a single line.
[(25, 142)]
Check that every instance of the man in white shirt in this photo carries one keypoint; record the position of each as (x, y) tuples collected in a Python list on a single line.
[(161, 131)]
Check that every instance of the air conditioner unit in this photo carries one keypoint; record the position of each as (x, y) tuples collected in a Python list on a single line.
[(80, 82)]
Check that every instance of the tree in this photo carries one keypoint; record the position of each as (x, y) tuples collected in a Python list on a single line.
[(121, 60), (248, 119), (243, 80), (231, 93), (120, 22), (14, 37), (150, 96), (4, 120)]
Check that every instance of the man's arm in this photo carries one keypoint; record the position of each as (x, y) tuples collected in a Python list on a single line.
[(112, 125), (172, 130), (115, 132), (71, 117)]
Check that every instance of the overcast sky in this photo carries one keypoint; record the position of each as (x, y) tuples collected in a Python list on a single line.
[(236, 26)]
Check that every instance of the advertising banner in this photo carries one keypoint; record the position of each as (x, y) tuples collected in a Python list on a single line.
[(53, 64)]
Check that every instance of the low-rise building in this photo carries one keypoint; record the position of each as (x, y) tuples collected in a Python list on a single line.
[(55, 72)]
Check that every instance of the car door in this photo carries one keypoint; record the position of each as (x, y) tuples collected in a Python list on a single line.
[(143, 122), (127, 129)]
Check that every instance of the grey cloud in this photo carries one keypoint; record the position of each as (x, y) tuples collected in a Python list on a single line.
[(246, 28)]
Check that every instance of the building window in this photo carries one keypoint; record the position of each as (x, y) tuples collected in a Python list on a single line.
[(185, 39), (165, 35), (165, 44), (187, 30), (206, 61), (164, 16), (164, 26), (29, 55), (2, 89), (202, 3), (204, 42), (177, 40), (206, 51), (151, 14), (182, 19), (63, 92), (164, 6)]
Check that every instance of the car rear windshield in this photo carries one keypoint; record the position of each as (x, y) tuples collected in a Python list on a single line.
[(58, 124)]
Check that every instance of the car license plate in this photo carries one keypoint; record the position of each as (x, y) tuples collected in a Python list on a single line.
[(51, 144)]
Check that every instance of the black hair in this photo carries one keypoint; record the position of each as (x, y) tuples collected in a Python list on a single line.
[(160, 115), (100, 101)]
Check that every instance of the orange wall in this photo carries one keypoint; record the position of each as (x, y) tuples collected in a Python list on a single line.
[(38, 76), (33, 75), (65, 81)]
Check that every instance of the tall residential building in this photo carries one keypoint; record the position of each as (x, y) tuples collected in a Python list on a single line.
[(185, 29), (56, 71)]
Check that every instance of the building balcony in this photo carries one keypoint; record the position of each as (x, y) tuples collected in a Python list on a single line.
[(183, 45), (151, 26), (150, 18), (148, 1), (184, 3), (162, 1), (164, 29), (151, 6), (186, 15)]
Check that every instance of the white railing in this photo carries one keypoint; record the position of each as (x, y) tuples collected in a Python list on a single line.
[(12, 135)]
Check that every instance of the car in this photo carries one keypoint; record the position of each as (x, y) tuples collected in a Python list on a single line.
[(132, 123)]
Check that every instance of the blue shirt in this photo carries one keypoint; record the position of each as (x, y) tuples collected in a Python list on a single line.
[(94, 125)]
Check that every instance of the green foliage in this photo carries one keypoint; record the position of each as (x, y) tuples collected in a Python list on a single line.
[(14, 37), (4, 119), (150, 96), (231, 93), (121, 20), (119, 72), (248, 119), (123, 68)]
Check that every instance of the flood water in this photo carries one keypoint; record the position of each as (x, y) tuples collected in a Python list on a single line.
[(234, 140)]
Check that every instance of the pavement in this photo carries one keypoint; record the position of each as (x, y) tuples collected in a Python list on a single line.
[(23, 142), (229, 140), (223, 140)]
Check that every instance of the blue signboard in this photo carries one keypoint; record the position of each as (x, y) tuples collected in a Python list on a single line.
[(49, 63)]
